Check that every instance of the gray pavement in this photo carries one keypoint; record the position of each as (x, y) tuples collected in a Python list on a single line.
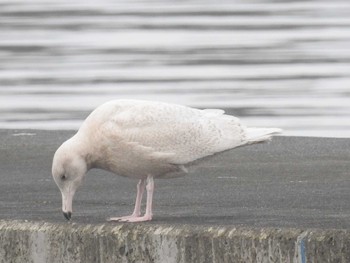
[(289, 182)]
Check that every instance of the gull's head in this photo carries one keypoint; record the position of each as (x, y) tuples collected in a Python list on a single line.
[(68, 170)]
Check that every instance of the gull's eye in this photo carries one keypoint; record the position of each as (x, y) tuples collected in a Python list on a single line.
[(63, 177)]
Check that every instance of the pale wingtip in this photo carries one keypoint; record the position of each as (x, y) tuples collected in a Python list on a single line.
[(276, 130), (256, 135)]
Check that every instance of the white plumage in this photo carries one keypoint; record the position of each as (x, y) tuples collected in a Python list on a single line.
[(146, 140)]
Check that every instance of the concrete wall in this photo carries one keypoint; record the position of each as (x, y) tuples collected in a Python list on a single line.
[(48, 242)]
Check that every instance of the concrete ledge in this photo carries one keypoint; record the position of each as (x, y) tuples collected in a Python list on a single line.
[(48, 242), (277, 202)]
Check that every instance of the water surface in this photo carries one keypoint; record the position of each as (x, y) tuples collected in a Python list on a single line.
[(272, 63)]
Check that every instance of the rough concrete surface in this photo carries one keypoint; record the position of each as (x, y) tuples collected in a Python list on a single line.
[(48, 242), (283, 201)]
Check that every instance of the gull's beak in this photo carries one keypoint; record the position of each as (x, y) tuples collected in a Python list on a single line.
[(67, 200), (67, 215)]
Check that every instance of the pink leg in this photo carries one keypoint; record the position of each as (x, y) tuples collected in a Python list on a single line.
[(148, 215), (137, 210), (140, 188)]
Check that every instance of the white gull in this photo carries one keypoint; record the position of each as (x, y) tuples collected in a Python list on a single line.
[(146, 140)]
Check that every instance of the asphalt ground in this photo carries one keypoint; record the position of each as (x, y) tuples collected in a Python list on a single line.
[(295, 182)]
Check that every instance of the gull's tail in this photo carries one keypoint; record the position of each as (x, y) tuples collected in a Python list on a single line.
[(255, 135)]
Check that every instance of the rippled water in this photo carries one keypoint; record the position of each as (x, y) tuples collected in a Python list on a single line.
[(272, 63)]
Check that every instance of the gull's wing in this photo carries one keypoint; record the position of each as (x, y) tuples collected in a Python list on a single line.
[(175, 133)]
